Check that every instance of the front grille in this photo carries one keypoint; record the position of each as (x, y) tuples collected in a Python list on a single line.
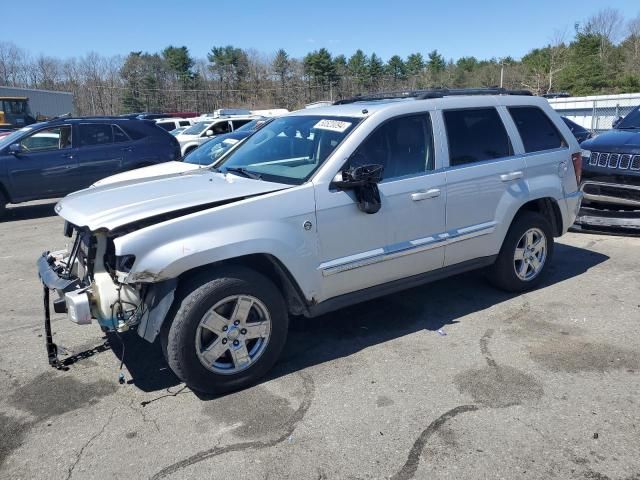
[(613, 191), (620, 161), (625, 160), (603, 158)]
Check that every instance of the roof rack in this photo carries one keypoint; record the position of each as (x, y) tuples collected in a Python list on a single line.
[(432, 93)]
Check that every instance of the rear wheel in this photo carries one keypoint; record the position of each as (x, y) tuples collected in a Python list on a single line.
[(227, 331), (525, 254)]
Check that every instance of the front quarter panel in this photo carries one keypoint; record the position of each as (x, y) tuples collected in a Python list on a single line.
[(266, 224)]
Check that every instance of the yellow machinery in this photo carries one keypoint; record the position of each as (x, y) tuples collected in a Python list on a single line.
[(15, 112)]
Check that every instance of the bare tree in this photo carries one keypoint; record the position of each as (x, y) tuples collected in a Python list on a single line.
[(607, 24)]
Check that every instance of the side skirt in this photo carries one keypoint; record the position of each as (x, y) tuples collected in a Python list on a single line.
[(376, 291)]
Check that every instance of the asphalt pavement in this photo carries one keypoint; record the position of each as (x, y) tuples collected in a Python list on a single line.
[(450, 380)]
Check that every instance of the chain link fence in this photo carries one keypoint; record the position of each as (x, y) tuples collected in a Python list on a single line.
[(596, 113)]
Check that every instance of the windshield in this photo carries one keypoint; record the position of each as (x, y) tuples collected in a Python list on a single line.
[(290, 149), (13, 137), (211, 151), (196, 128), (632, 120)]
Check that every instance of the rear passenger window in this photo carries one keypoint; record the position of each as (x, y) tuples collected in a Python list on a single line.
[(95, 134), (403, 146), (184, 123), (536, 129), (168, 126), (475, 135), (220, 127), (238, 123), (119, 135)]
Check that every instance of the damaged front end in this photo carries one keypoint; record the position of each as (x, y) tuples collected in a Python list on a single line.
[(91, 284)]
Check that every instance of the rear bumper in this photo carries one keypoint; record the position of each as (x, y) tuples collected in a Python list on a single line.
[(572, 203)]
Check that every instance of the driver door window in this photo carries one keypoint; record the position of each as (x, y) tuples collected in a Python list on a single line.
[(403, 146), (57, 138)]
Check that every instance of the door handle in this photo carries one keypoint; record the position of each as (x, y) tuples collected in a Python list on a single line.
[(68, 155), (422, 195), (508, 177), (127, 149)]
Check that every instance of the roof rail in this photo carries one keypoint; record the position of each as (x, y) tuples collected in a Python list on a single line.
[(432, 93)]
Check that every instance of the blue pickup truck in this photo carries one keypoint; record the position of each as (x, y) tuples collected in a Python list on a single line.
[(52, 159)]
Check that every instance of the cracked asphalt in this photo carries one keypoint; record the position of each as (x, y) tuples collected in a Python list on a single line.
[(540, 385)]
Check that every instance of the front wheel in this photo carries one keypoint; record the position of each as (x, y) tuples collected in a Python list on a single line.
[(525, 254), (227, 332)]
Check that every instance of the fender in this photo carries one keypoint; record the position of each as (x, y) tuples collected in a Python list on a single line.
[(270, 224)]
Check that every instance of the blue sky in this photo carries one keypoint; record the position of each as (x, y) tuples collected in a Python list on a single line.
[(480, 28)]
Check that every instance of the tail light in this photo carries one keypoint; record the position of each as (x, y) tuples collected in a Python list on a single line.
[(576, 158)]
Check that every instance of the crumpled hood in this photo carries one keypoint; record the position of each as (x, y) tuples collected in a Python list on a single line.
[(619, 141), (166, 168), (113, 205)]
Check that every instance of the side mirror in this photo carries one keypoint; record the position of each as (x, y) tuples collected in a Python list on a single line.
[(363, 180), (358, 176), (15, 149), (208, 133), (616, 121)]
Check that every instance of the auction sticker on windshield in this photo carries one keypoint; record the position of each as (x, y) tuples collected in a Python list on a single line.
[(333, 125)]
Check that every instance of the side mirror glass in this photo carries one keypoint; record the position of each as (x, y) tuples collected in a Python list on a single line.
[(15, 148), (616, 121), (208, 133), (363, 180)]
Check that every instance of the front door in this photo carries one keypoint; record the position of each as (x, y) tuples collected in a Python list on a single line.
[(360, 250), (46, 165)]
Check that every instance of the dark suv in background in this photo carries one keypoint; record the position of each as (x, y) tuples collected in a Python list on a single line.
[(611, 177), (52, 159)]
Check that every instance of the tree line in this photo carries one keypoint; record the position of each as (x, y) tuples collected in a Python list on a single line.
[(602, 55)]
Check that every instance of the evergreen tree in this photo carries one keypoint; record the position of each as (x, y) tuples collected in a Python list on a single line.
[(375, 70), (396, 68)]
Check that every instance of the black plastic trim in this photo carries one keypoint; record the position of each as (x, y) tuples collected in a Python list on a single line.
[(376, 291)]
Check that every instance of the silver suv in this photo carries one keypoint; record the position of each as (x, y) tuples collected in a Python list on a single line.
[(318, 210)]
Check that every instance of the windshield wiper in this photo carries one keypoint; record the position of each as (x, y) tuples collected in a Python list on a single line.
[(244, 172)]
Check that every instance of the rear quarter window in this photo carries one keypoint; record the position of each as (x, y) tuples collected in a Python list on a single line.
[(537, 131), (136, 129)]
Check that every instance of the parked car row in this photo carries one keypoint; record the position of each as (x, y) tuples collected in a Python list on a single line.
[(52, 159)]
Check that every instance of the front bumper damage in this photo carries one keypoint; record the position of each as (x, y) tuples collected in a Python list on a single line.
[(76, 298), (54, 276)]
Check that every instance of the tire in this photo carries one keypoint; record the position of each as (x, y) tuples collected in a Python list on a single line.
[(3, 205), (189, 344), (514, 275)]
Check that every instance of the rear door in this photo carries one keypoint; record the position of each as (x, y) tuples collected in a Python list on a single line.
[(99, 156), (485, 182), (46, 167), (546, 150)]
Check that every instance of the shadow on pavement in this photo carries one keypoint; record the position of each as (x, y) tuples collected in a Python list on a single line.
[(29, 212), (345, 332)]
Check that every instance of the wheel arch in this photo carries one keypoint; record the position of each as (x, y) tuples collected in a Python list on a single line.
[(267, 265), (547, 207)]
